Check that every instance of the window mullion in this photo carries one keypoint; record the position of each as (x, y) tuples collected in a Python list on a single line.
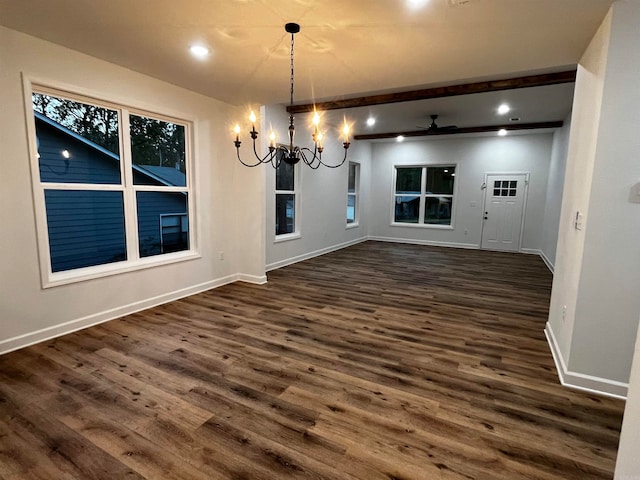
[(129, 192), (423, 193)]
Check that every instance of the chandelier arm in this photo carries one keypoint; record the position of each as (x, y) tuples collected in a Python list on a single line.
[(310, 163), (318, 158), (245, 163), (280, 153), (343, 158), (268, 157)]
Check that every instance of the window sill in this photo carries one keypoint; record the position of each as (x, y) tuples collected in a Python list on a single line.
[(99, 271), (422, 225), (287, 237), (352, 225)]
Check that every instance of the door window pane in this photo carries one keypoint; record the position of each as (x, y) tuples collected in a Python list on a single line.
[(85, 227), (158, 152)]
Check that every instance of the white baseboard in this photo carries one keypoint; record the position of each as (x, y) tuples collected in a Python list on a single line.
[(580, 381), (413, 241), (48, 333), (317, 253), (541, 254), (258, 280)]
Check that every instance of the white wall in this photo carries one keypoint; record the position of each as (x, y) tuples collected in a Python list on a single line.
[(474, 157), (587, 101), (555, 185), (600, 272), (323, 197), (628, 460), (229, 199), (611, 265)]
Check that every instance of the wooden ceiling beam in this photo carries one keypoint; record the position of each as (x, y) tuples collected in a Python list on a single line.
[(456, 131), (438, 92)]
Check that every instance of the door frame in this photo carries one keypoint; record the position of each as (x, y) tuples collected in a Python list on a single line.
[(525, 194)]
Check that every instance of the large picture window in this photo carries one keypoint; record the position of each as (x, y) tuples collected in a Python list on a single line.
[(423, 195), (285, 199), (110, 198)]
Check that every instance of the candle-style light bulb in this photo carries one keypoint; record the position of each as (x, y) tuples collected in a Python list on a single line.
[(252, 117), (272, 139), (236, 130), (345, 131), (319, 139), (316, 119)]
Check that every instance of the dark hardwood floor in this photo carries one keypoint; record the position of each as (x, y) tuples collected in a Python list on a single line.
[(379, 361)]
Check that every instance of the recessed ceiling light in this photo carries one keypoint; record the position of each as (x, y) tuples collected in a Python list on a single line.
[(371, 122), (502, 132), (399, 138), (504, 108), (199, 51), (416, 4)]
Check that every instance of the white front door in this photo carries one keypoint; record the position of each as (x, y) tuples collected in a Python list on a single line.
[(503, 208)]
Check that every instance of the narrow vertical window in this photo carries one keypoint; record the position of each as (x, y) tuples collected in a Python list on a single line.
[(285, 199), (353, 186)]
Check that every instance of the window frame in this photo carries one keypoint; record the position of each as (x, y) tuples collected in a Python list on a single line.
[(423, 195), (355, 194), (124, 107), (296, 205)]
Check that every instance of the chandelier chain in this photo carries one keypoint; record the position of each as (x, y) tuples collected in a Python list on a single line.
[(292, 40)]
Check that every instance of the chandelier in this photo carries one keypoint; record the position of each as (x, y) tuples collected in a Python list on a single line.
[(289, 153)]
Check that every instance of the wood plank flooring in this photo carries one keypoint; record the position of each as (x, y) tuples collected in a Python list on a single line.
[(379, 361)]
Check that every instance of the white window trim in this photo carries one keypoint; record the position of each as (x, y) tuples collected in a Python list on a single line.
[(423, 182), (134, 262), (283, 237), (356, 220)]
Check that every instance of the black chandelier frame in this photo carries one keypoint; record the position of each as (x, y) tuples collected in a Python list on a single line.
[(291, 154)]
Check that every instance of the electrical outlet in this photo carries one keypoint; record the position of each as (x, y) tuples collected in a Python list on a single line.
[(221, 255), (564, 312), (466, 231)]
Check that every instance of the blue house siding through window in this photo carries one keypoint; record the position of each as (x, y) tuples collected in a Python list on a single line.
[(87, 227)]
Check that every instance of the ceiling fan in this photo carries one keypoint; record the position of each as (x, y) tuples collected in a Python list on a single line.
[(434, 127)]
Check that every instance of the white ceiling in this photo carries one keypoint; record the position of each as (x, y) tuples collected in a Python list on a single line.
[(346, 48)]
